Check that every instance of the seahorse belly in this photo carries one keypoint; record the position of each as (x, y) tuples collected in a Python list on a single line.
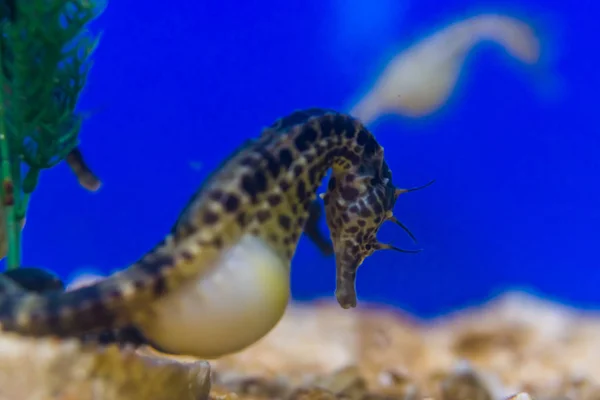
[(239, 301)]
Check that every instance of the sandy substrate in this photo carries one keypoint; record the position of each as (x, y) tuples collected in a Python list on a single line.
[(515, 346)]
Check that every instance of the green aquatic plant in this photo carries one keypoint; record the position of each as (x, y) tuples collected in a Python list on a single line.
[(45, 49)]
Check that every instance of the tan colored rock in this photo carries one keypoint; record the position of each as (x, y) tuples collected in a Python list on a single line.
[(32, 369), (520, 396)]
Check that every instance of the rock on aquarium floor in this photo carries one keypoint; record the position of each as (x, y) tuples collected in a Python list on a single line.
[(514, 347)]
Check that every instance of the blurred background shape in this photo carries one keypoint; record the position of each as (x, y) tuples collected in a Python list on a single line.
[(420, 79)]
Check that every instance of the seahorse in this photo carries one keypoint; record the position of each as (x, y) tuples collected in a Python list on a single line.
[(219, 281)]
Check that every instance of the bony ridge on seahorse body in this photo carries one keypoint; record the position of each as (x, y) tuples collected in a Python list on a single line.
[(220, 280)]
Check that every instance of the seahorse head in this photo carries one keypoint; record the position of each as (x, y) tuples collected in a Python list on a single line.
[(357, 203)]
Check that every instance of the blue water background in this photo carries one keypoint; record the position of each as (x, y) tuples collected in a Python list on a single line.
[(178, 86)]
